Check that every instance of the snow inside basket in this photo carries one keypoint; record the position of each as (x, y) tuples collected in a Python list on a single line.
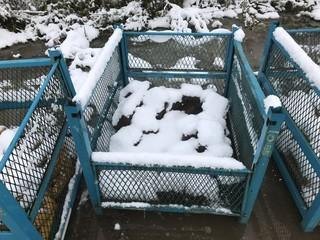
[(183, 126)]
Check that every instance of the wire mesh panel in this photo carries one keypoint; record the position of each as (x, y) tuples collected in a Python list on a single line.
[(245, 120), (302, 102), (177, 52), (309, 41), (181, 187), (40, 161), (96, 106)]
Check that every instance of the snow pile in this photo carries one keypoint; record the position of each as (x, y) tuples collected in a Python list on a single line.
[(310, 68), (10, 38), (135, 16), (304, 109), (239, 35), (271, 101), (6, 136), (160, 124), (77, 40), (99, 66)]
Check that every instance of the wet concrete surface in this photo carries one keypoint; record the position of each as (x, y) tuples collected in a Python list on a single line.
[(274, 217)]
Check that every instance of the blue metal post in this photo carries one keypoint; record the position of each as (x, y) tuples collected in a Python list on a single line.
[(15, 218), (55, 56), (229, 60), (312, 217), (81, 138), (267, 47), (124, 58), (260, 162)]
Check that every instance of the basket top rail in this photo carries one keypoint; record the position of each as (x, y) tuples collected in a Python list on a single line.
[(298, 56), (217, 32), (23, 63)]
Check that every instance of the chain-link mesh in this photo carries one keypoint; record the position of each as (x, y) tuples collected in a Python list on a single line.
[(310, 43), (245, 120), (302, 102), (177, 52), (49, 216), (162, 186), (103, 89), (28, 163)]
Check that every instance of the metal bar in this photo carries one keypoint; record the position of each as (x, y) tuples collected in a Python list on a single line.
[(173, 74), (22, 63), (27, 104), (7, 236), (15, 105), (159, 168), (124, 59), (81, 138), (302, 30), (178, 34), (56, 55), (101, 120), (168, 208), (27, 117), (46, 180), (229, 61), (312, 217), (267, 46), (15, 218), (263, 153)]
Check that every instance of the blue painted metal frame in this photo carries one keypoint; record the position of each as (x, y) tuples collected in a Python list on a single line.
[(12, 214), (25, 63), (273, 120), (272, 123), (311, 215), (83, 146)]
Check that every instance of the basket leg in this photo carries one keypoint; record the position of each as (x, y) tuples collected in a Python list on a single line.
[(83, 147), (15, 218), (263, 153), (312, 218)]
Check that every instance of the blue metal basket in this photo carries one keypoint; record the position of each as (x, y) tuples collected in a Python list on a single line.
[(152, 56), (297, 154), (40, 162)]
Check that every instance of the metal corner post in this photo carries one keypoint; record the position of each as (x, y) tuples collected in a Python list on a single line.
[(311, 218), (15, 218), (262, 156), (124, 58), (56, 55), (267, 47), (229, 60), (81, 138)]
